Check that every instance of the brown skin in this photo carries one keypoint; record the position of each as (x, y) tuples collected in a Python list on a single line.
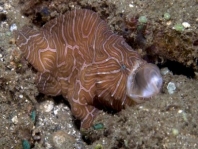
[(77, 56)]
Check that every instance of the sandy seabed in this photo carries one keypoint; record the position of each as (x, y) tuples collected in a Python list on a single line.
[(168, 121)]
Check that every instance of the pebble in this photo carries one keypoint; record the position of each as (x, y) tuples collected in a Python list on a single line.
[(13, 27), (7, 6), (186, 24), (26, 144), (142, 19), (180, 111), (47, 106), (20, 96), (175, 131), (171, 87), (169, 23), (165, 71), (15, 119), (167, 16), (1, 8), (178, 27), (62, 140), (131, 5)]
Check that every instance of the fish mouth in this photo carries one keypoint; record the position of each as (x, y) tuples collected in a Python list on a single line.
[(144, 83)]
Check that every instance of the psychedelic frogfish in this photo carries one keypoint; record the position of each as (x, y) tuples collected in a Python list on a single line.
[(79, 57)]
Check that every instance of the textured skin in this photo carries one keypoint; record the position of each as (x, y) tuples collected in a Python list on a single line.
[(77, 56)]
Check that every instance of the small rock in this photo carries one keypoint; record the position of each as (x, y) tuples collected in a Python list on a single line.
[(186, 24), (178, 27), (7, 6), (175, 131), (26, 144), (1, 8), (47, 106), (15, 119), (20, 96), (142, 19), (168, 23), (62, 140), (167, 16), (165, 71), (131, 5), (171, 87), (13, 27)]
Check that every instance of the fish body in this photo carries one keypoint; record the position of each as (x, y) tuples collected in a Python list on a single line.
[(79, 57)]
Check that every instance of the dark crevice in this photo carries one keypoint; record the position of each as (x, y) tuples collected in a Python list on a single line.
[(3, 17), (178, 68)]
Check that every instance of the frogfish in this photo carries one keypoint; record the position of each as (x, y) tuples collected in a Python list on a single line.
[(78, 56)]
